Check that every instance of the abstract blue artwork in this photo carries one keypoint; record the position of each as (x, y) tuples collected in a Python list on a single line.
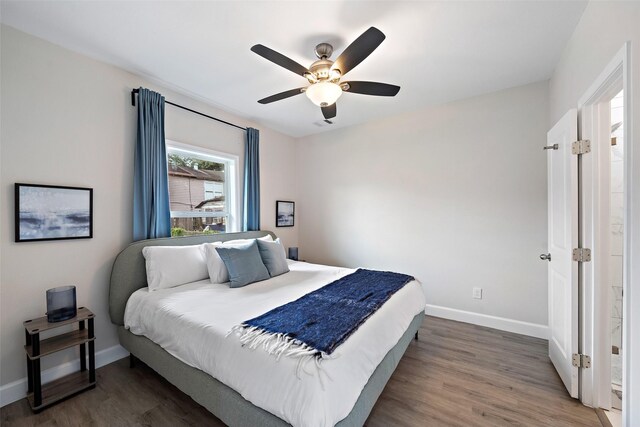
[(45, 212)]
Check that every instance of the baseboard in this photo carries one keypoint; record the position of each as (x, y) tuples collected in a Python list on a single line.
[(502, 323), (17, 390)]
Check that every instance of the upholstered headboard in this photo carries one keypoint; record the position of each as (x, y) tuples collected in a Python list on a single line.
[(129, 273)]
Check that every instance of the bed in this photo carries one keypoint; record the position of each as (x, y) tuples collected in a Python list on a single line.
[(227, 391)]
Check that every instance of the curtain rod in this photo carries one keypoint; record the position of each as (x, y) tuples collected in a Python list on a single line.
[(133, 102)]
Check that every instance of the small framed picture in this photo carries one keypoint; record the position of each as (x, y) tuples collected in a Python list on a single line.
[(50, 212), (285, 213)]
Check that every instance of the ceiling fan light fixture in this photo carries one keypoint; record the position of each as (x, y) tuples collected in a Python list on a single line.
[(311, 77), (323, 93)]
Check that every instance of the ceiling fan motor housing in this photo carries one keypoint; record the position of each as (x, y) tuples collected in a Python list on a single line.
[(323, 50), (321, 68)]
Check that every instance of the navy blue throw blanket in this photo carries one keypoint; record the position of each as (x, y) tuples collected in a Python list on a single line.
[(317, 323)]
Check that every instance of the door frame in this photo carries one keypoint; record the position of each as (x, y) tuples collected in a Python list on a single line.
[(595, 297)]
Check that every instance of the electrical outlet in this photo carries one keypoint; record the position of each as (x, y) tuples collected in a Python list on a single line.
[(477, 293)]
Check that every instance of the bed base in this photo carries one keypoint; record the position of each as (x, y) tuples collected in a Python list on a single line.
[(234, 410)]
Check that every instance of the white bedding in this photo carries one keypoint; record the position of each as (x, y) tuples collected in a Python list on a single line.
[(191, 321)]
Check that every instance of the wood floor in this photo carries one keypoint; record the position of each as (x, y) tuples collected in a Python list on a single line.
[(456, 374)]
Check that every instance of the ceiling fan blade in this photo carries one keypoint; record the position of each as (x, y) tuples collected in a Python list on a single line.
[(357, 51), (329, 112), (371, 88), (280, 59), (281, 95)]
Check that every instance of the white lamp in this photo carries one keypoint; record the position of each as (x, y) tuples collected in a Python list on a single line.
[(324, 93)]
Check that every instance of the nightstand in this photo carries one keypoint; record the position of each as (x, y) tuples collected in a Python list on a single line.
[(42, 395)]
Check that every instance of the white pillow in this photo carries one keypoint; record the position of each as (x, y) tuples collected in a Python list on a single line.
[(169, 266), (218, 272), (266, 238)]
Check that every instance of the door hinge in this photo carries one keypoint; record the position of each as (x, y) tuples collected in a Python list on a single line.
[(582, 254), (581, 146), (581, 361)]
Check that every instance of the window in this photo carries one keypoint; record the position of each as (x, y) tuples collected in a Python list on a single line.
[(213, 189), (203, 190)]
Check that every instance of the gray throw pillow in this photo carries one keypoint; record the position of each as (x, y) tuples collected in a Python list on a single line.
[(244, 264), (273, 257)]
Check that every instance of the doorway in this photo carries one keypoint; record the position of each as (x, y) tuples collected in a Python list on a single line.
[(589, 241), (616, 220), (604, 206)]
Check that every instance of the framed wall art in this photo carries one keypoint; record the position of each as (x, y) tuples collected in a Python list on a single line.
[(50, 212), (285, 213)]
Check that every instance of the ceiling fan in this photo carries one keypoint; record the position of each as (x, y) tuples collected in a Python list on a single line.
[(324, 75)]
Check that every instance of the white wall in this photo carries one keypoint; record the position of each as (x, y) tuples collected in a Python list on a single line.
[(600, 34), (455, 195), (68, 120)]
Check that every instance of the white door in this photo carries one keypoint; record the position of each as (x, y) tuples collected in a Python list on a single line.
[(562, 182)]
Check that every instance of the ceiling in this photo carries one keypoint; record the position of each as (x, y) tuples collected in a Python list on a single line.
[(436, 51)]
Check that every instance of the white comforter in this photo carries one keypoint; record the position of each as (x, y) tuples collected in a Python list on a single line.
[(191, 321)]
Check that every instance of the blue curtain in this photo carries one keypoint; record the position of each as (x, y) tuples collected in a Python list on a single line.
[(252, 180), (151, 215)]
